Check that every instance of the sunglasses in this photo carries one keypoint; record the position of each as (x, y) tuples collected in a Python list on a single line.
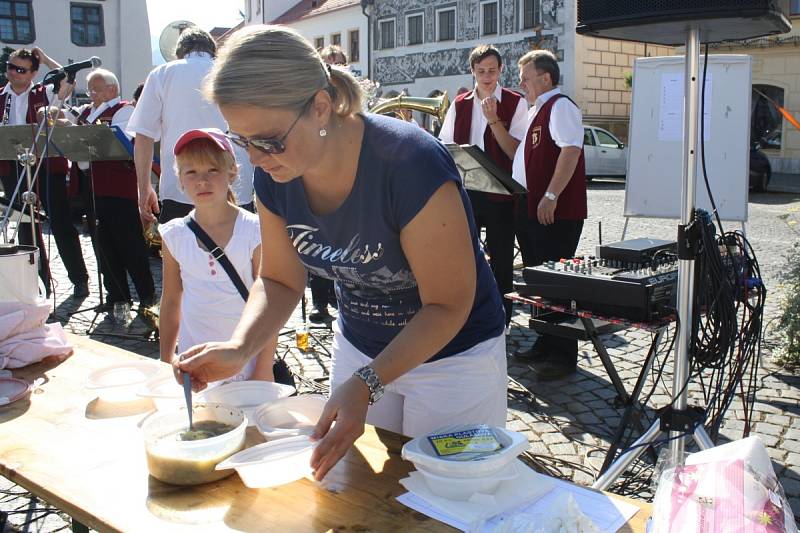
[(17, 69), (268, 146)]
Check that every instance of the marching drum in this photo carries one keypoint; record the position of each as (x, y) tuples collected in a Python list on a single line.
[(19, 277)]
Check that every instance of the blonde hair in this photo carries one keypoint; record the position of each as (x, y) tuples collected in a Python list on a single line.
[(274, 66), (205, 152)]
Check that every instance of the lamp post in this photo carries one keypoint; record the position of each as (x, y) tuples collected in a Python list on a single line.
[(368, 9)]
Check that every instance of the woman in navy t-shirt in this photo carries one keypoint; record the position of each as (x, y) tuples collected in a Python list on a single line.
[(377, 205)]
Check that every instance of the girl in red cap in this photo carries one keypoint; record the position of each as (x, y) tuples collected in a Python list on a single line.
[(199, 301)]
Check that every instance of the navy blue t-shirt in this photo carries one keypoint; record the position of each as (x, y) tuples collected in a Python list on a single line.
[(358, 245)]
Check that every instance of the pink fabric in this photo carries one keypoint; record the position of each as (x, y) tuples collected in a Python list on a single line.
[(25, 338)]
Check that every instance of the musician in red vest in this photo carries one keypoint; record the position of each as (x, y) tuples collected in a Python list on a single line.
[(20, 100), (494, 119), (119, 243), (550, 161)]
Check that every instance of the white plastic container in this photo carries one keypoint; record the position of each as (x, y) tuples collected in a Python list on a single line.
[(120, 382), (164, 391), (248, 395), (191, 462), (420, 452), (457, 488), (273, 463), (289, 417)]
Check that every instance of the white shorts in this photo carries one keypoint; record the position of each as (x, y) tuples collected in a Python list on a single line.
[(467, 388)]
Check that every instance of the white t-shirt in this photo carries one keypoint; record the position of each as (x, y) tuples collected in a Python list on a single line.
[(120, 119), (211, 306), (566, 129), (172, 104), (517, 128)]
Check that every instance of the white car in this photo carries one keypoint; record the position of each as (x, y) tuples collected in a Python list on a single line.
[(605, 155)]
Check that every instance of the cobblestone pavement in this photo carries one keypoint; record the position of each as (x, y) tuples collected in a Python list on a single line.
[(569, 422)]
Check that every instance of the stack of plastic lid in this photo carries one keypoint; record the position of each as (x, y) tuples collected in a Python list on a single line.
[(120, 382), (458, 461), (13, 389)]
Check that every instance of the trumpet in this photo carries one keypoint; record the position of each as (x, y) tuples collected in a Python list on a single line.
[(152, 237)]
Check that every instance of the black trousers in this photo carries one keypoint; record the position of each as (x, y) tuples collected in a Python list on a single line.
[(122, 251), (498, 219), (171, 209), (52, 191), (322, 292), (551, 243)]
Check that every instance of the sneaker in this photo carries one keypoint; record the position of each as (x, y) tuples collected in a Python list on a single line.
[(319, 317), (81, 289), (549, 371)]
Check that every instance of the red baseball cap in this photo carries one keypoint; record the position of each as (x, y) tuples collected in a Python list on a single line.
[(214, 135)]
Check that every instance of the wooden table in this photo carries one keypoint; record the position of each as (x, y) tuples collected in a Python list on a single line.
[(87, 458)]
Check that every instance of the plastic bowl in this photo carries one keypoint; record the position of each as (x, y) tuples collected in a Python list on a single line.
[(273, 463), (120, 382), (457, 488), (289, 417), (191, 462), (248, 395), (420, 452), (164, 391)]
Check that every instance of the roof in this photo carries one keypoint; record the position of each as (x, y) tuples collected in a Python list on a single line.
[(218, 31), (311, 8)]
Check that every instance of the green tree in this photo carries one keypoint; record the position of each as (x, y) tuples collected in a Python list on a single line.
[(3, 60)]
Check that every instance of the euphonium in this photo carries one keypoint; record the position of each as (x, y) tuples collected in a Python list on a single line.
[(436, 106), (152, 236)]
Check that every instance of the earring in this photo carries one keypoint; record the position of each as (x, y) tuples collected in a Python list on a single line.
[(323, 132)]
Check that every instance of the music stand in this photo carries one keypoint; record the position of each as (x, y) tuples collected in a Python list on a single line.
[(91, 143), (480, 173)]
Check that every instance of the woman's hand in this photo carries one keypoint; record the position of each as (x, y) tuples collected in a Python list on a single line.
[(211, 361), (348, 407)]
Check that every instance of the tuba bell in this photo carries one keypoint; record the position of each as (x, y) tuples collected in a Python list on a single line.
[(436, 105)]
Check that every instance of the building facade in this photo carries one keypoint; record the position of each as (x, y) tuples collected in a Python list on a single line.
[(423, 46), (776, 82), (116, 31), (322, 22)]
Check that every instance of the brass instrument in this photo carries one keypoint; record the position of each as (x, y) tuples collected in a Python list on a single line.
[(152, 237), (436, 106), (150, 316)]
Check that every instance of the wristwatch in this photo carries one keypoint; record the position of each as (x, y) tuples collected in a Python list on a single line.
[(550, 196), (372, 381)]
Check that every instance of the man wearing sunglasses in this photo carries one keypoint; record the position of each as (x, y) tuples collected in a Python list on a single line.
[(20, 100), (171, 104)]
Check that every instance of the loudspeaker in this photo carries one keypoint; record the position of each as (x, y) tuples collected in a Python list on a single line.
[(667, 21)]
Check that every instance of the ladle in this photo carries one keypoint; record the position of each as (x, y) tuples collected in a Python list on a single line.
[(187, 393)]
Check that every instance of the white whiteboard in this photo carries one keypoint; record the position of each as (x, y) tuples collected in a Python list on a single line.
[(655, 149)]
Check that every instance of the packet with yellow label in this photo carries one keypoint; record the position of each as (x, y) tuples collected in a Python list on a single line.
[(466, 445)]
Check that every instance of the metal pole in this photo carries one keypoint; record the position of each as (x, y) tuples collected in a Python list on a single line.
[(686, 266)]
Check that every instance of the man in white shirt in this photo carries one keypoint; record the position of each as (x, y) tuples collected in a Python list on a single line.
[(494, 119), (550, 163), (113, 193), (20, 103), (171, 104)]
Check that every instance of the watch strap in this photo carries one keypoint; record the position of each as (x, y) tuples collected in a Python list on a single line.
[(370, 378)]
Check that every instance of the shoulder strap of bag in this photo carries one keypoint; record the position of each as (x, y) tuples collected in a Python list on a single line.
[(218, 254)]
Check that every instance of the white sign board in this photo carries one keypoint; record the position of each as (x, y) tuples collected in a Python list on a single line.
[(655, 152)]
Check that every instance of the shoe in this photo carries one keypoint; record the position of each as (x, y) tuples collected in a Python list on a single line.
[(319, 317), (548, 370), (81, 289), (533, 354)]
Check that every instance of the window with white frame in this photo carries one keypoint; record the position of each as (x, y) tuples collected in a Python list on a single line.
[(319, 43), (446, 24), (386, 32), (530, 13), (414, 29), (489, 12), (336, 39)]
